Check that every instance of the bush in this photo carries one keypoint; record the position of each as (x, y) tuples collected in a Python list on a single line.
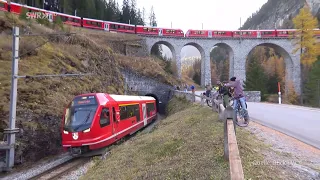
[(291, 97)]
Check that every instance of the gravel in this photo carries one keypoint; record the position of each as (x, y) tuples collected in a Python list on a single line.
[(76, 174), (296, 158), (38, 169)]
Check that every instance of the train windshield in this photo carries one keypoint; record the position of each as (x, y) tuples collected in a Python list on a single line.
[(79, 115)]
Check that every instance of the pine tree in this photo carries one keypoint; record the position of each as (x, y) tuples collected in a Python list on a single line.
[(312, 89), (152, 18), (256, 78)]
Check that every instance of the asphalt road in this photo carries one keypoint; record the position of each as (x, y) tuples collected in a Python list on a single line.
[(299, 122)]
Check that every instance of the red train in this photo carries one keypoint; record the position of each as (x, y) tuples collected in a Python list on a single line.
[(243, 33), (96, 120), (137, 29)]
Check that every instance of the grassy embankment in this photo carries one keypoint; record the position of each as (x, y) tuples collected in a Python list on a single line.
[(41, 101), (188, 144)]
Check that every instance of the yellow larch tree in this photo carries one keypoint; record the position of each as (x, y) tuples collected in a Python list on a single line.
[(305, 40)]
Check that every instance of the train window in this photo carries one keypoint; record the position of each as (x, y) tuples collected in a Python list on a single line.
[(1, 5), (113, 26), (267, 32), (150, 108), (63, 18), (114, 114), (104, 117), (129, 111)]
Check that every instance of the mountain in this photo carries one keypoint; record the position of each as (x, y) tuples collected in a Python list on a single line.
[(279, 14)]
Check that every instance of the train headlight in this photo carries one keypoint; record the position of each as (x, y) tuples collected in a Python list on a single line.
[(87, 130), (66, 132)]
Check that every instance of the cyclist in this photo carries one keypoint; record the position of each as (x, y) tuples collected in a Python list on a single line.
[(224, 92), (208, 90), (238, 95)]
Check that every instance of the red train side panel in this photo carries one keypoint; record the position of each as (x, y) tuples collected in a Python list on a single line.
[(285, 32), (196, 33), (93, 23), (97, 120)]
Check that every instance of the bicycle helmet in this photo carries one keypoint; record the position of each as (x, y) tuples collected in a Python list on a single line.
[(233, 79)]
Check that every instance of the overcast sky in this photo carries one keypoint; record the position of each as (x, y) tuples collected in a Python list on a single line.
[(214, 14), (188, 14)]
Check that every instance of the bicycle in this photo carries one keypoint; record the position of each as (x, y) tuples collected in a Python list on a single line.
[(209, 101), (240, 114)]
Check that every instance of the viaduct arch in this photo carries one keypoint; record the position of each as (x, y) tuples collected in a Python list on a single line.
[(238, 50)]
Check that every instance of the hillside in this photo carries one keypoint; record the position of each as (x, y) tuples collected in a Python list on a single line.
[(41, 100), (188, 144), (279, 14)]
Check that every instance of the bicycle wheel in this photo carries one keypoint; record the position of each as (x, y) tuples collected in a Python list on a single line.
[(209, 102), (240, 114)]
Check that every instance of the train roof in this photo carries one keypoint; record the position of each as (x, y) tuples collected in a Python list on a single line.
[(130, 98), (93, 19)]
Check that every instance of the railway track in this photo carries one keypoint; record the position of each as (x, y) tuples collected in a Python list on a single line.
[(62, 169)]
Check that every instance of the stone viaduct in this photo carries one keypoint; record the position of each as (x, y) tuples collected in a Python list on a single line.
[(238, 50)]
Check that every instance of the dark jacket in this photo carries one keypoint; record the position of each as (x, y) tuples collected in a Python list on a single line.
[(223, 90)]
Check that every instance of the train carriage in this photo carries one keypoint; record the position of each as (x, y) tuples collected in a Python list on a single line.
[(93, 23), (171, 32), (119, 27), (147, 30), (221, 33), (197, 33), (67, 19), (285, 33), (92, 121), (245, 33), (3, 6), (159, 31)]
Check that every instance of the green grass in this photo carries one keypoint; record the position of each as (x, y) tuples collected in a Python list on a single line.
[(188, 144)]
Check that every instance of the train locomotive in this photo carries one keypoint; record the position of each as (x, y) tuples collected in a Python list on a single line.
[(97, 120)]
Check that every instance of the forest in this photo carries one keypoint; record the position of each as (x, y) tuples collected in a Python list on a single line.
[(108, 10)]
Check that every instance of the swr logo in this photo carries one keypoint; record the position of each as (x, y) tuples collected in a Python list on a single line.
[(38, 15)]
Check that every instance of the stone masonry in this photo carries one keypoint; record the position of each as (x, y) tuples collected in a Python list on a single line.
[(142, 86), (238, 50)]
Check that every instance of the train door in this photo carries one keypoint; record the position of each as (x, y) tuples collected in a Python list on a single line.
[(115, 123), (160, 32), (106, 26), (187, 34), (144, 113), (105, 120), (210, 34), (258, 34), (50, 17)]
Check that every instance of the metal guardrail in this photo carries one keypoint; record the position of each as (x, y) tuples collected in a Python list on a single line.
[(231, 151)]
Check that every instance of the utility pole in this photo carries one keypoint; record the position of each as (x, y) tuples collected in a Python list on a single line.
[(240, 31), (11, 137), (12, 130), (171, 24), (301, 65)]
